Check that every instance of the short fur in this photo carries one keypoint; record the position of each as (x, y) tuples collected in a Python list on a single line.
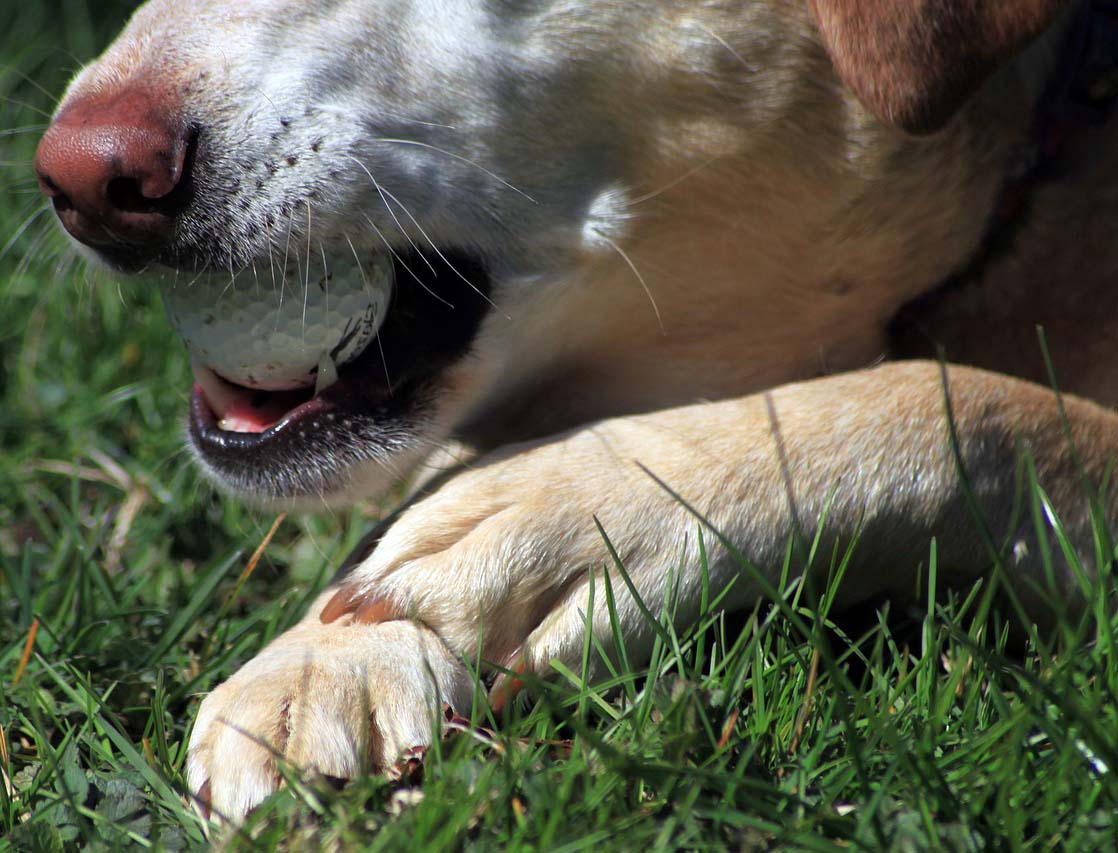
[(701, 223)]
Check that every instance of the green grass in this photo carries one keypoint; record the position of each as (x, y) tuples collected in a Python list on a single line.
[(774, 729)]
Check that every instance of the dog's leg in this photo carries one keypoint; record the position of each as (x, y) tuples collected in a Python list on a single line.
[(503, 554), (505, 550)]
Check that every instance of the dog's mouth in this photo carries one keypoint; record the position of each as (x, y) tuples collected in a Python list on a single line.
[(149, 192), (296, 443)]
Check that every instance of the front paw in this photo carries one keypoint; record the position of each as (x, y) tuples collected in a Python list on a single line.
[(337, 700)]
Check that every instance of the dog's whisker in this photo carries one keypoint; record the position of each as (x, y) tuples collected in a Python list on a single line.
[(609, 241), (400, 228), (232, 279), (28, 191), (459, 157), (673, 183), (438, 252), (270, 243), (197, 277), (307, 272), (399, 225), (31, 81), (36, 244), (286, 260), (365, 282), (402, 119), (22, 131), (16, 102), (21, 229), (729, 48), (43, 252), (402, 262), (19, 181)]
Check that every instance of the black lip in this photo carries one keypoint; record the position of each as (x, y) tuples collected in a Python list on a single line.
[(381, 398)]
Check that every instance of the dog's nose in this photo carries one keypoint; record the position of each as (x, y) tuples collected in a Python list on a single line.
[(115, 167)]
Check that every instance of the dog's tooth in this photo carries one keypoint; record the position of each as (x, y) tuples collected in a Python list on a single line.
[(238, 424), (219, 394), (327, 374)]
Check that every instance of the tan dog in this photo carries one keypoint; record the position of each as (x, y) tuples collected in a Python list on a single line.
[(645, 212)]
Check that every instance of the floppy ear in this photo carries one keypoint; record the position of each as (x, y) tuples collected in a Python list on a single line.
[(914, 62)]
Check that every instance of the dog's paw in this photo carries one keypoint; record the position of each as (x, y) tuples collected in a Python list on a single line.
[(513, 552), (335, 700)]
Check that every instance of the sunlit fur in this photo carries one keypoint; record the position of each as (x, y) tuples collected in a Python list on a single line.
[(679, 202)]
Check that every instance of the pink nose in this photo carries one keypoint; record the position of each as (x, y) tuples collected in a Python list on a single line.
[(115, 165)]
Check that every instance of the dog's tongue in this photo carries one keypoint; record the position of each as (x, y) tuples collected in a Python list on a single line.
[(240, 409)]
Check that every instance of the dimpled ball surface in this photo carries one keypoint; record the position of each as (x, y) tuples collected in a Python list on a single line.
[(272, 334)]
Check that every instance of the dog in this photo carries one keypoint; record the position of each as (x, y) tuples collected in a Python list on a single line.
[(661, 268)]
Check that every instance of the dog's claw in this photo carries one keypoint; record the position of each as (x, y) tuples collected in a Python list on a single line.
[(345, 601), (201, 800), (365, 608), (374, 611), (507, 687)]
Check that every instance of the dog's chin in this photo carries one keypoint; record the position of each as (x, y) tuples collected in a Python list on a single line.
[(355, 438)]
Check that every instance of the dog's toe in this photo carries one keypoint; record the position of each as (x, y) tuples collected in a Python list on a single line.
[(331, 701)]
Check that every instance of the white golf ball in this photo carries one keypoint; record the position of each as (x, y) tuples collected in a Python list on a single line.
[(274, 333)]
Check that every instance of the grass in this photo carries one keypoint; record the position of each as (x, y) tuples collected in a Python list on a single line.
[(121, 603)]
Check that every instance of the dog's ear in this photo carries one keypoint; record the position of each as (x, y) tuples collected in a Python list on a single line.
[(914, 62)]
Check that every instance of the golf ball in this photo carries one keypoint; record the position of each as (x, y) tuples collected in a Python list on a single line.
[(279, 332)]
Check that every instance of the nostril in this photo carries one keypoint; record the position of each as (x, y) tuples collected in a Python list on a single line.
[(125, 195), (118, 170), (153, 187)]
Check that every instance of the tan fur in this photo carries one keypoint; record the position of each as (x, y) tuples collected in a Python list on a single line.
[(720, 308)]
